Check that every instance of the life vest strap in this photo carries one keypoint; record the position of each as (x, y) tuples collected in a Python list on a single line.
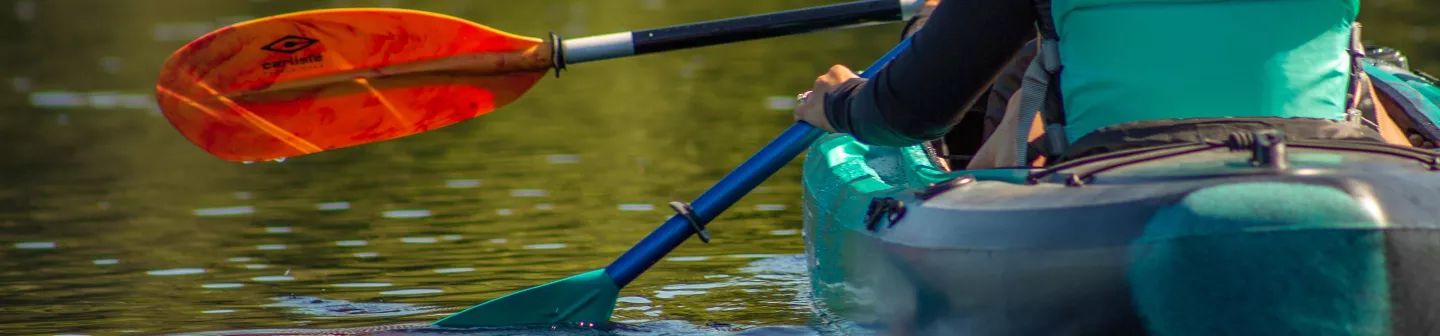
[(1361, 107), (1041, 77)]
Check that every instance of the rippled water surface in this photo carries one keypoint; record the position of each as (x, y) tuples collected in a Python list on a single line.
[(113, 223)]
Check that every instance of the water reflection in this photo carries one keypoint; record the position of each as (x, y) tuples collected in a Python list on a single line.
[(528, 193), (407, 214), (636, 207), (176, 271), (770, 207), (685, 259), (331, 206), (563, 159), (35, 245), (455, 270), (462, 183), (225, 211), (316, 306), (412, 292), (419, 240), (363, 285)]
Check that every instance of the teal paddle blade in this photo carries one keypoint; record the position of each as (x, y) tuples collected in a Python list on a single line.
[(586, 297)]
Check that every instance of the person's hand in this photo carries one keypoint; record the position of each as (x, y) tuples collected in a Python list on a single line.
[(812, 108)]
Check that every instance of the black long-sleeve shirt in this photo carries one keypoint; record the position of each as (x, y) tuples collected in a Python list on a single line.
[(927, 88)]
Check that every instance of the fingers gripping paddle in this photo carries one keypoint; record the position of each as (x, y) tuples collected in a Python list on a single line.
[(590, 297), (311, 81)]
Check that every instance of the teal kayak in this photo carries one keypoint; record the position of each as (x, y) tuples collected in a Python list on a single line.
[(1254, 235)]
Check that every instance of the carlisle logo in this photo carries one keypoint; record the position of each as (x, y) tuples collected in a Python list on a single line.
[(292, 61), (289, 45)]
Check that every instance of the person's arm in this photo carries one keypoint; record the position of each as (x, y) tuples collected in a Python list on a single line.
[(925, 90)]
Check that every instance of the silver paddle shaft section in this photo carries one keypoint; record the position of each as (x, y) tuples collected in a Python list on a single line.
[(600, 47)]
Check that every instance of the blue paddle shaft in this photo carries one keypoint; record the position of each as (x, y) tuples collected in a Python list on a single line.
[(725, 193)]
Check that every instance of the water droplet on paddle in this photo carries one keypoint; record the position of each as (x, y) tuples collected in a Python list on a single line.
[(279, 160)]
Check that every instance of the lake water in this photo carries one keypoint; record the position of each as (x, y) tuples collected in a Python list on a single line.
[(113, 223)]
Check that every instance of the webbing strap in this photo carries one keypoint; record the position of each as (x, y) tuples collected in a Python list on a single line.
[(1035, 88), (1360, 108)]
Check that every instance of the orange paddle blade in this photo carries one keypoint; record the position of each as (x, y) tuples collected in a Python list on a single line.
[(311, 81)]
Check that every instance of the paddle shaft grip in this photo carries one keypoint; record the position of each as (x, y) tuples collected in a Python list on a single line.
[(738, 29), (725, 193)]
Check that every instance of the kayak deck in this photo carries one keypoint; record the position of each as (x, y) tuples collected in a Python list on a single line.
[(1200, 243)]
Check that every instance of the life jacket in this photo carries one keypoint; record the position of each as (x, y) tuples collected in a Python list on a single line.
[(1111, 68)]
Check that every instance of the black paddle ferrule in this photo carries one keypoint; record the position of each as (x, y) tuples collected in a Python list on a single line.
[(557, 53), (684, 210), (765, 25)]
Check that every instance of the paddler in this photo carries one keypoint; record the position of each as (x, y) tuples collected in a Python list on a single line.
[(1116, 80), (957, 146)]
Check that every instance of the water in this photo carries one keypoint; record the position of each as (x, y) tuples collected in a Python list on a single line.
[(115, 224)]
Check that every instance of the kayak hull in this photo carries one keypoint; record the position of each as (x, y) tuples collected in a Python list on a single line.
[(1334, 243)]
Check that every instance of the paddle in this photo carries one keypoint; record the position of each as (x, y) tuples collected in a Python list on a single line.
[(316, 80), (590, 297)]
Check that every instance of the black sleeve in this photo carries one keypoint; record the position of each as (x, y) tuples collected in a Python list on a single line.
[(927, 88)]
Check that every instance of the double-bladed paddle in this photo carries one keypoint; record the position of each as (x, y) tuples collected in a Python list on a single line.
[(317, 80), (312, 81), (590, 297)]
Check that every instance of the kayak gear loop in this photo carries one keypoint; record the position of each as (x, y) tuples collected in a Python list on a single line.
[(1430, 159), (935, 189), (884, 208), (684, 210), (557, 53), (1267, 147)]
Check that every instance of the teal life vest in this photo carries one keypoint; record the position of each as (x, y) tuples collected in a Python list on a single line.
[(1103, 63)]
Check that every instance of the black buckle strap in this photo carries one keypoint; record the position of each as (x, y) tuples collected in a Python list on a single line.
[(684, 210), (884, 207)]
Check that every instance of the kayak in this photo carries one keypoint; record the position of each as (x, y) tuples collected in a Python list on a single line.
[(1254, 235)]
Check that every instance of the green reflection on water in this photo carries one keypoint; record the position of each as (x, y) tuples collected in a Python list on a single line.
[(114, 222)]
